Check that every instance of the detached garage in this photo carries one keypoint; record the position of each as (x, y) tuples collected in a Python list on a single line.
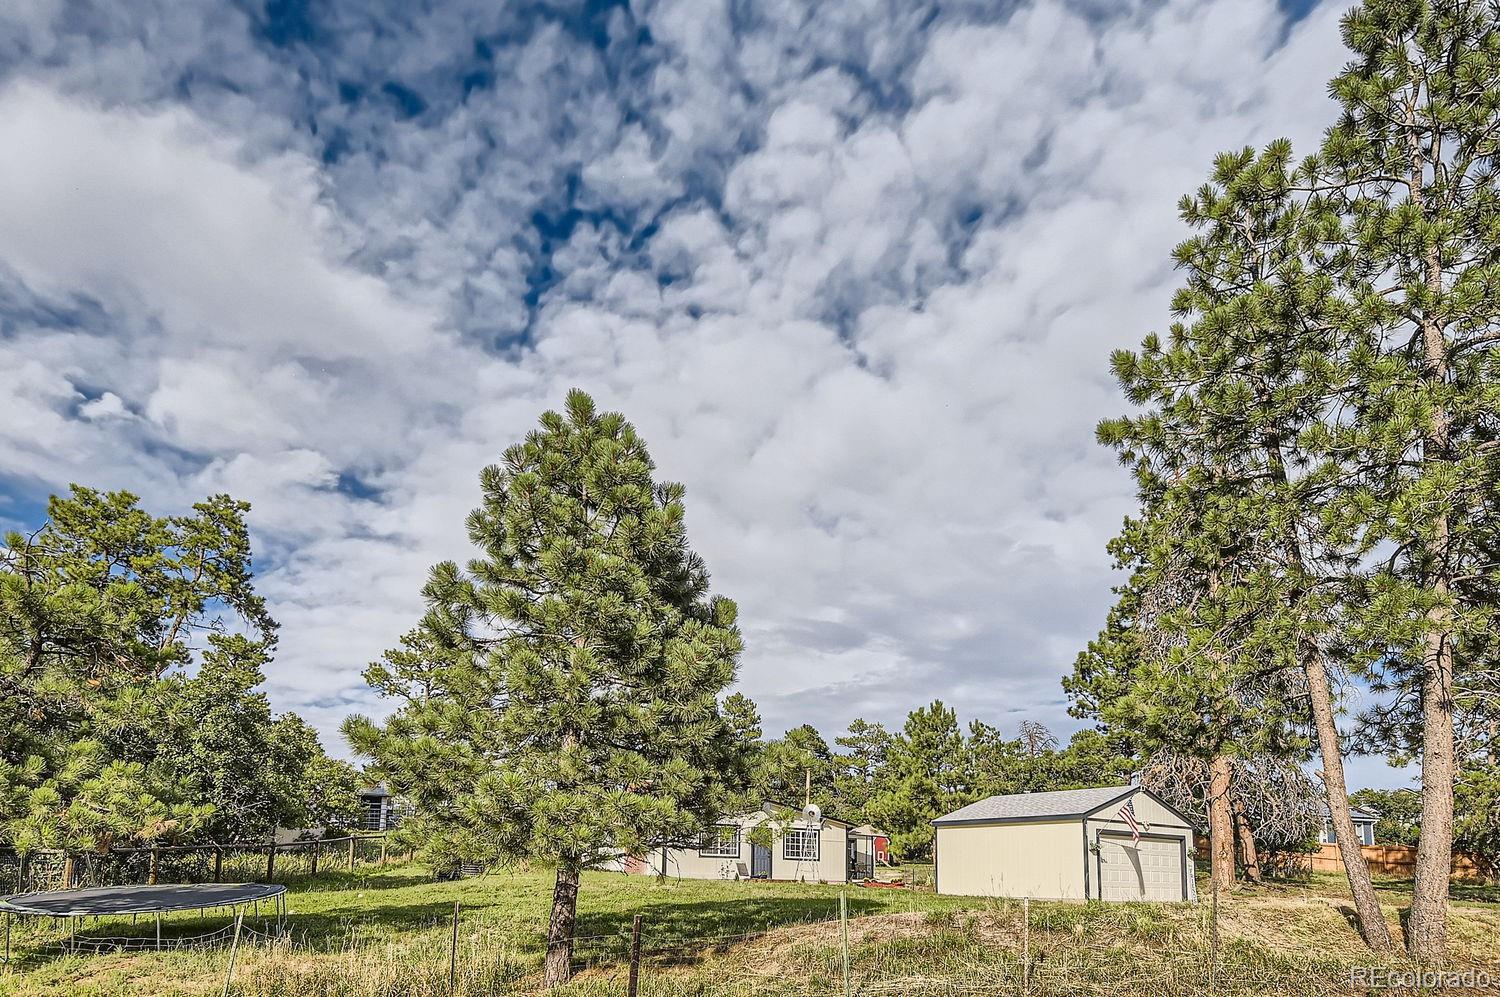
[(1111, 843)]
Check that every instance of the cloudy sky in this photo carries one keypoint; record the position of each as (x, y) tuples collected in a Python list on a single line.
[(853, 268)]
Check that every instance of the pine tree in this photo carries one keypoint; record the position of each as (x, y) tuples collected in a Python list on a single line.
[(99, 612), (925, 777), (562, 691), (1412, 218), (1248, 376), (866, 746)]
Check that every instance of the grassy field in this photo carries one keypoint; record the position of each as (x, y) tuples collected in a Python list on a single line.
[(388, 933)]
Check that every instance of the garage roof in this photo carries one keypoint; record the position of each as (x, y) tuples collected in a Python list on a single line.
[(1035, 806)]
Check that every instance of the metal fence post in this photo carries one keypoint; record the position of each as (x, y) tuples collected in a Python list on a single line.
[(635, 957), (844, 932), (1025, 944), (1213, 952), (453, 953)]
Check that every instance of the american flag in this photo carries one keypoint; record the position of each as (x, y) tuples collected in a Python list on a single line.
[(1127, 814)]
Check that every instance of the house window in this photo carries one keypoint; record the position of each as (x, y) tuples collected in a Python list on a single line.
[(723, 842), (1367, 833), (1329, 837), (800, 845)]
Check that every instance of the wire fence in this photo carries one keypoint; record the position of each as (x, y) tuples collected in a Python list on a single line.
[(271, 862)]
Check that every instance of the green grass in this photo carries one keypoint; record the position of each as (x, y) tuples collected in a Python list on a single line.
[(387, 933)]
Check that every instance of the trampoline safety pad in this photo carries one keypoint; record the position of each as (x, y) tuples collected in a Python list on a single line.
[(103, 901)]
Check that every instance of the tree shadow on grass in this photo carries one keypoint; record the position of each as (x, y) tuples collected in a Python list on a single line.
[(686, 931)]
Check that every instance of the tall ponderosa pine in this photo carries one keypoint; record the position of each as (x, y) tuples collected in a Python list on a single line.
[(562, 692), (1412, 210), (1248, 376), (1186, 664)]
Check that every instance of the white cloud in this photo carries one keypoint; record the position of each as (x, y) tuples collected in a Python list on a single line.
[(869, 328)]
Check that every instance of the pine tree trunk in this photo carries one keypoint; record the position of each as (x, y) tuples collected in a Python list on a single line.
[(559, 963), (1220, 823), (1428, 926), (1249, 854), (1372, 926)]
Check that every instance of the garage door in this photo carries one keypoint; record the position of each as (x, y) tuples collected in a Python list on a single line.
[(1150, 869)]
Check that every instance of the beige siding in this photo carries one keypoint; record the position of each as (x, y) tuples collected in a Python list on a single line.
[(1041, 860), (832, 865)]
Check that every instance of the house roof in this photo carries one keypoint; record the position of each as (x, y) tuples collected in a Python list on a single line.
[(1035, 806), (1355, 812), (769, 808)]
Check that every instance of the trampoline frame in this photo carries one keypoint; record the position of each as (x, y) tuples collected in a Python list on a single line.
[(15, 906)]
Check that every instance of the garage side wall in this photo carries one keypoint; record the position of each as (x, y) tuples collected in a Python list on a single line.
[(1043, 860)]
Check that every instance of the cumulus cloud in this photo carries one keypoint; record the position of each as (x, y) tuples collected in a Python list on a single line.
[(853, 269)]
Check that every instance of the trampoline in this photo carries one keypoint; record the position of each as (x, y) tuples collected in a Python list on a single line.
[(114, 901)]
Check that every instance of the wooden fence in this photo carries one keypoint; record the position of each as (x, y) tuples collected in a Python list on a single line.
[(213, 863), (1392, 860)]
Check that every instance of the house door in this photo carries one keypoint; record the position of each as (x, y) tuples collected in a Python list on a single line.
[(760, 861)]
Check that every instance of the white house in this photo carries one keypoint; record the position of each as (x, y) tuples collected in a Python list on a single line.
[(798, 850)]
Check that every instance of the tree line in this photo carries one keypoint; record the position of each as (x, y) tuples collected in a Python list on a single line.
[(900, 780), (132, 649)]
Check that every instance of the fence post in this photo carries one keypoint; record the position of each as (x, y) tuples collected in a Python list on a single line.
[(384, 844), (234, 947), (635, 957), (844, 933), (67, 870), (1213, 951), (316, 848), (154, 870), (453, 953), (270, 862), (1025, 944), (218, 863), (351, 853)]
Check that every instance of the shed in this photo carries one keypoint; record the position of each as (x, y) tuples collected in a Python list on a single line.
[(1075, 844)]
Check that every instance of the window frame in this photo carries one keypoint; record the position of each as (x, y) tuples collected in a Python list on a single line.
[(720, 851), (817, 844)]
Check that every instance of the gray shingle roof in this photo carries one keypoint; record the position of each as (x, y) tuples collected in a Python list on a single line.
[(1025, 806), (1355, 812)]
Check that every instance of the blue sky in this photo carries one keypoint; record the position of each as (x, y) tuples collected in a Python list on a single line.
[(854, 269)]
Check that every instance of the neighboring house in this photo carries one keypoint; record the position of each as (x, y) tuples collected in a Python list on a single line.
[(799, 851), (1364, 826), (377, 809), (1075, 844)]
